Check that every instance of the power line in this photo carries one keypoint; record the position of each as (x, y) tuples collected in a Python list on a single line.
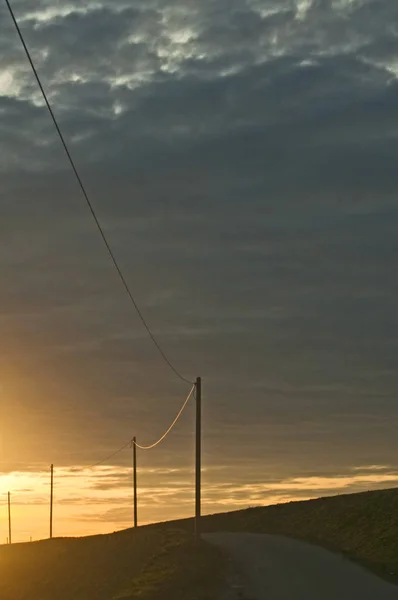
[(89, 204), (131, 442), (101, 462), (171, 426)]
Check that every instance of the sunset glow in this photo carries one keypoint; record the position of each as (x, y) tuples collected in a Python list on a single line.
[(100, 500)]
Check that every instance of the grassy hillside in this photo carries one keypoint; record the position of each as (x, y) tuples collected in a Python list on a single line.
[(148, 564)]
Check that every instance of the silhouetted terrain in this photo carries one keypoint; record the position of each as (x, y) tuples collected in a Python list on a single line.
[(161, 562), (155, 564)]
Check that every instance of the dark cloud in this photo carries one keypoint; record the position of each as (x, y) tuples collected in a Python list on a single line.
[(242, 161)]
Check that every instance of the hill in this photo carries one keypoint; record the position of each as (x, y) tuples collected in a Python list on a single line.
[(161, 562), (147, 564)]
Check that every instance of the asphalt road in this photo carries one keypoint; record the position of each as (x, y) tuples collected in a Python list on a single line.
[(266, 567)]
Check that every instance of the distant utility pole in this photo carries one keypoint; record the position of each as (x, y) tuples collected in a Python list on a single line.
[(198, 458), (9, 518), (135, 481), (51, 501)]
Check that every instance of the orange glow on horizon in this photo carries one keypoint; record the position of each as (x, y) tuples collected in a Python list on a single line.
[(90, 501)]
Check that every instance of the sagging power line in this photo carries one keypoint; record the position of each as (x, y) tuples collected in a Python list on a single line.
[(88, 201), (133, 441), (170, 428), (104, 460)]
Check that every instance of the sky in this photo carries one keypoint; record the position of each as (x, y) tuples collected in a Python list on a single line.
[(241, 158)]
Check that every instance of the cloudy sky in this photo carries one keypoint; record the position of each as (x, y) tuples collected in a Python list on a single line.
[(242, 158)]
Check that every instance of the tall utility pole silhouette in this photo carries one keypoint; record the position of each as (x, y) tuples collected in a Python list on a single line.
[(51, 501), (198, 457), (9, 518), (135, 482)]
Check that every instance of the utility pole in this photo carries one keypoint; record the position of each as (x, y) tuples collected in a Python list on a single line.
[(9, 518), (198, 457), (135, 481), (51, 501)]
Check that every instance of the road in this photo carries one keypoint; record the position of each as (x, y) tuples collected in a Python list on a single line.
[(266, 567)]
